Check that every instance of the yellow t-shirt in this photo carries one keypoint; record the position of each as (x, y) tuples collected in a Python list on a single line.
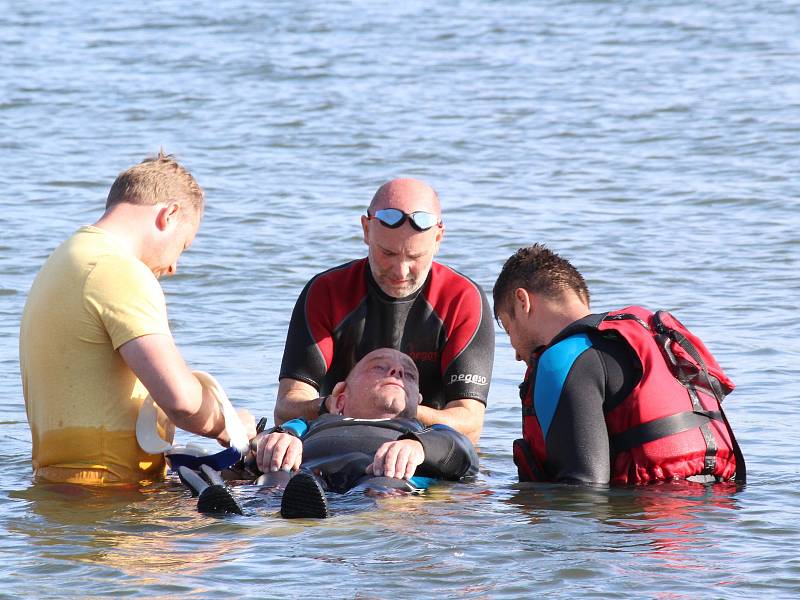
[(91, 296)]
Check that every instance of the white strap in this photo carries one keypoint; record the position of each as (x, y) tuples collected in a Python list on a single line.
[(147, 429), (233, 423), (147, 422)]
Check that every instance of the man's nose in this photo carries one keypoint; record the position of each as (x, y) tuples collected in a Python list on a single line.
[(402, 268), (396, 372)]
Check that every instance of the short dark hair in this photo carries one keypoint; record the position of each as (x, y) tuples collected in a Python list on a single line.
[(540, 271)]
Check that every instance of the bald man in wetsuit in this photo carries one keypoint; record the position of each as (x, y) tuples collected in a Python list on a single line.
[(372, 433), (396, 297)]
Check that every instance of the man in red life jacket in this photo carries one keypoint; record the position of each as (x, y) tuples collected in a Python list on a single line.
[(628, 396)]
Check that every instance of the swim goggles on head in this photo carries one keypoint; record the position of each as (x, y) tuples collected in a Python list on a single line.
[(394, 218)]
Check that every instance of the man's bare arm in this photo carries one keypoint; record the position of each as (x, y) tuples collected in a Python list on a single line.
[(158, 364), (296, 400), (465, 415)]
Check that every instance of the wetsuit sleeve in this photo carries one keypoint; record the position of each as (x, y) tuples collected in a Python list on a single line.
[(577, 441), (302, 358), (468, 355), (448, 453)]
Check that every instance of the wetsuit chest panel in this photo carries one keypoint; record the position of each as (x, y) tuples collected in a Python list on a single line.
[(551, 373), (424, 342), (385, 322), (385, 325)]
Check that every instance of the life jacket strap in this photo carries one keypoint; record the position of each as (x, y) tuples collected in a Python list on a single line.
[(660, 428)]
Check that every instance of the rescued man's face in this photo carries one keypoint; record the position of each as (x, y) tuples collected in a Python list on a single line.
[(384, 384)]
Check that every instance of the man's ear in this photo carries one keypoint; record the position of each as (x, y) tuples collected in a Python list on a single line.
[(339, 397), (438, 239), (365, 228), (169, 214), (523, 301)]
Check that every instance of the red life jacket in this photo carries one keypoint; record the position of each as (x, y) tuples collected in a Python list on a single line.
[(671, 426)]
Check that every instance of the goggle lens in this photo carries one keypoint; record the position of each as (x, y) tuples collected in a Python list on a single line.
[(394, 218)]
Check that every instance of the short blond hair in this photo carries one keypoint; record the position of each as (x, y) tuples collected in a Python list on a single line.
[(157, 179)]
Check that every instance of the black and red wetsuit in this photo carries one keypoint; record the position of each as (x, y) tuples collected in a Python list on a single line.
[(445, 327)]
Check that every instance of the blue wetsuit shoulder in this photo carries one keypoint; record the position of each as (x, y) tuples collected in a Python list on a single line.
[(552, 370)]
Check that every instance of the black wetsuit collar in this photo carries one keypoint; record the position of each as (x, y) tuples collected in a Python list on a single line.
[(401, 424), (580, 326)]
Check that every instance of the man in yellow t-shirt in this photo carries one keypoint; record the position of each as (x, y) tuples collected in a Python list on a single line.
[(95, 338)]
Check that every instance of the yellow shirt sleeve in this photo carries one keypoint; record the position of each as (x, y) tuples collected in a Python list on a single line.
[(126, 298)]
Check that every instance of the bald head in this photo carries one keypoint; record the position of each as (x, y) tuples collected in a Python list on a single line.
[(408, 195)]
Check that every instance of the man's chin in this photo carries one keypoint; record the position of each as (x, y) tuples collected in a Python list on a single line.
[(391, 406), (399, 291)]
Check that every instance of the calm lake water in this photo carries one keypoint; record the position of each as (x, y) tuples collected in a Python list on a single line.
[(655, 146)]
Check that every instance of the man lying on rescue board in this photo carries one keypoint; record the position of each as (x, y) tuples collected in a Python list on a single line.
[(372, 439), (627, 396)]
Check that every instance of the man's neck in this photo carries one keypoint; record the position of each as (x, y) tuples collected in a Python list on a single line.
[(126, 223), (555, 316)]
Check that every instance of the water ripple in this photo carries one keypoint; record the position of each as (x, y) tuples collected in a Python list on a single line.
[(653, 145)]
